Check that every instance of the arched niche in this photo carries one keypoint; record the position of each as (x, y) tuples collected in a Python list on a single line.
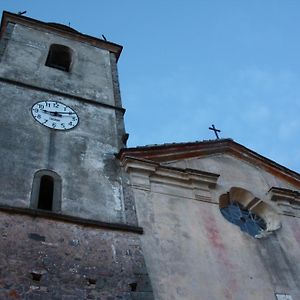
[(46, 191)]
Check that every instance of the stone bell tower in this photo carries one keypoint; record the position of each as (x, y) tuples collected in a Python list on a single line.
[(65, 204)]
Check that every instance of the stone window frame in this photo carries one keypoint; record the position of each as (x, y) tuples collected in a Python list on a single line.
[(59, 57), (255, 205), (57, 190)]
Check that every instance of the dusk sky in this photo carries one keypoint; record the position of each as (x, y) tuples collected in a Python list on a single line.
[(189, 64)]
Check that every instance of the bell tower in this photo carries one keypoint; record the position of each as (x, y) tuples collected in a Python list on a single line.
[(62, 123)]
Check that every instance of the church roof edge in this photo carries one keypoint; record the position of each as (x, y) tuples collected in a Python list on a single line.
[(177, 151)]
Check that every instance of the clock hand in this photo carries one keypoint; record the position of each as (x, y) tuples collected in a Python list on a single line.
[(59, 112), (66, 113), (52, 113)]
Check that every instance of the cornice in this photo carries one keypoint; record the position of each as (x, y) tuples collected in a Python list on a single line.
[(69, 219), (59, 29), (180, 151), (287, 200), (145, 172)]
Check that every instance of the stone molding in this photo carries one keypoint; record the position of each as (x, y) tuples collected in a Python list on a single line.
[(178, 151), (69, 219), (145, 174), (287, 200), (60, 94)]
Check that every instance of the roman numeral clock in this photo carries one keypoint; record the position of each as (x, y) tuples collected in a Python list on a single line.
[(55, 115)]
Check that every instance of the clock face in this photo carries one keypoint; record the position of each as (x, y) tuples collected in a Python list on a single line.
[(54, 115)]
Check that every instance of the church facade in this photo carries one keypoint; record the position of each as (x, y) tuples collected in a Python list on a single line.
[(220, 221), (84, 217)]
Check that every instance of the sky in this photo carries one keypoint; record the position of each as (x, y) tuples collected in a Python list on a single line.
[(189, 64)]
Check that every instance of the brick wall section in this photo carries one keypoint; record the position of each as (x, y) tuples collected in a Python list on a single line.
[(46, 259)]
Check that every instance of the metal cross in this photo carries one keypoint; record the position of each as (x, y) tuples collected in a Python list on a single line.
[(215, 130)]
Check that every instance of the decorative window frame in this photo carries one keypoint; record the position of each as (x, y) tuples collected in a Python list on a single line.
[(255, 205)]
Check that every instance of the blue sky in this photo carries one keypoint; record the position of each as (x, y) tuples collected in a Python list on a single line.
[(189, 64)]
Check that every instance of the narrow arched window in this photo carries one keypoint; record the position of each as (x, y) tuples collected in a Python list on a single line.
[(46, 191), (59, 57)]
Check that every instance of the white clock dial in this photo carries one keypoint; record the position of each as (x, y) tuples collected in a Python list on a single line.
[(55, 115)]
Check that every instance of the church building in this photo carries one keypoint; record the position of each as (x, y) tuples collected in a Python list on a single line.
[(84, 217)]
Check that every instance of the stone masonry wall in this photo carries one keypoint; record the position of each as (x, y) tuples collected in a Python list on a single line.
[(49, 259)]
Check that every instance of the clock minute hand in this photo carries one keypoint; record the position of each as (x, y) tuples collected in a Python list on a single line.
[(53, 113), (66, 113)]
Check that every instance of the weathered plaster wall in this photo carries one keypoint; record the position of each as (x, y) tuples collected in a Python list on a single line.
[(93, 185), (47, 259), (192, 252), (83, 156), (25, 54)]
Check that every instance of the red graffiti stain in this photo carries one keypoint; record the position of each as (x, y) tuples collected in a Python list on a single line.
[(14, 294), (215, 239), (221, 254)]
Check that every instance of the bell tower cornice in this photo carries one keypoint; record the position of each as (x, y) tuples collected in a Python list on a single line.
[(60, 29)]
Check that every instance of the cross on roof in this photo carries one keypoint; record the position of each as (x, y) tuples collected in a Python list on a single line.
[(215, 130)]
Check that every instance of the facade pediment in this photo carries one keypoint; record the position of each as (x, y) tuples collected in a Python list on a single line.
[(209, 169), (178, 154)]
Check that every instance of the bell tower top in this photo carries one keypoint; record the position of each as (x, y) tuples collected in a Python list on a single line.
[(60, 29), (58, 58)]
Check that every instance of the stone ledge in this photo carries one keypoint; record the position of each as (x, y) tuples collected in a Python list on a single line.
[(70, 219), (152, 171), (59, 93)]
